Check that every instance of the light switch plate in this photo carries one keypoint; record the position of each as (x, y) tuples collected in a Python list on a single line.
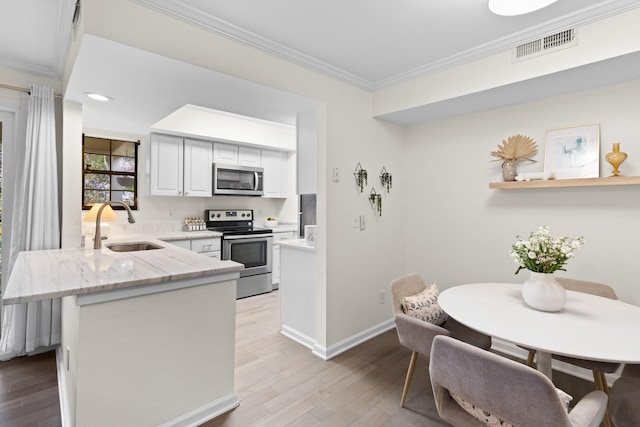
[(336, 174), (363, 226)]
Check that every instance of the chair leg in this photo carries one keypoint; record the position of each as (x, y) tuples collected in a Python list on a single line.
[(530, 357), (407, 381), (597, 380), (601, 384)]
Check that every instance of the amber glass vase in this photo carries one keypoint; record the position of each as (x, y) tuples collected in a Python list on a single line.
[(615, 158)]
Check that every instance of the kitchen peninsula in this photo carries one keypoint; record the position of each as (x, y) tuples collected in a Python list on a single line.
[(148, 336)]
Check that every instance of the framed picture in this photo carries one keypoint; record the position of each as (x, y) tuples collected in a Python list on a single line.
[(573, 152)]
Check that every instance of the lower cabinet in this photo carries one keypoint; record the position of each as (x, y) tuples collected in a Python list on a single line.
[(275, 272), (209, 246)]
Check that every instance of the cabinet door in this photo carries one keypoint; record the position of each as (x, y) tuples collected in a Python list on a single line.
[(225, 153), (275, 267), (198, 166), (274, 164), (249, 156), (182, 243), (166, 168)]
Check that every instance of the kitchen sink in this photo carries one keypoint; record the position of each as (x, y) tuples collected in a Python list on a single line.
[(132, 247)]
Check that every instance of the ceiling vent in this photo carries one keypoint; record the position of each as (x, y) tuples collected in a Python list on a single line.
[(544, 45)]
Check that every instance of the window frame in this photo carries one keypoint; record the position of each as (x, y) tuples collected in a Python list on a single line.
[(110, 172)]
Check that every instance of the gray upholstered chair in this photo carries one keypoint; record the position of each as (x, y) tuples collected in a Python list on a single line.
[(417, 334), (598, 368), (624, 400), (503, 387)]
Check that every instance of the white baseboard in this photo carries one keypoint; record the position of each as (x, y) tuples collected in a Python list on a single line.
[(327, 353), (567, 368), (204, 413), (298, 337)]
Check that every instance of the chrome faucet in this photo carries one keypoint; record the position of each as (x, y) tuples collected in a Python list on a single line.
[(97, 239)]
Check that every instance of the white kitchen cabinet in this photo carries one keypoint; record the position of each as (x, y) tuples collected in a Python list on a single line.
[(297, 292), (275, 168), (166, 168), (198, 167), (180, 167), (275, 268), (249, 156), (209, 246), (225, 153)]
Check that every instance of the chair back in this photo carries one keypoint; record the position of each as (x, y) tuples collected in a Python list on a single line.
[(404, 286), (503, 387), (593, 288)]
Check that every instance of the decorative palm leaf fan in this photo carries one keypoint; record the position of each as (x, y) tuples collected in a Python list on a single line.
[(514, 148)]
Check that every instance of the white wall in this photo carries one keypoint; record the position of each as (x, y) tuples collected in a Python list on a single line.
[(467, 229)]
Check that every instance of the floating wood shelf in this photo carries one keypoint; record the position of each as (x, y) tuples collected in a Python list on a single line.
[(573, 182)]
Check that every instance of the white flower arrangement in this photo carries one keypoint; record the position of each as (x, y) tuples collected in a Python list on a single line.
[(542, 253)]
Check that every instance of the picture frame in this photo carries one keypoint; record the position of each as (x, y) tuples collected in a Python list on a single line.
[(573, 152)]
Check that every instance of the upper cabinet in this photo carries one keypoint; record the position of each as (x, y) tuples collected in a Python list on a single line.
[(183, 167), (275, 167), (166, 169), (198, 169), (180, 167), (249, 156), (225, 153)]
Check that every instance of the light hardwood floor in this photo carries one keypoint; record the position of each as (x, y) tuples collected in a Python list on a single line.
[(280, 383)]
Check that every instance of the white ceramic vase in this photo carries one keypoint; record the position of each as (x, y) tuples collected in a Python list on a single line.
[(542, 292)]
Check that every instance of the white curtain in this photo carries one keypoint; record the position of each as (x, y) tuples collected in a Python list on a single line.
[(35, 224)]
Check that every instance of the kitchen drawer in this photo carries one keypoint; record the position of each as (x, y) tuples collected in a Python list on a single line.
[(213, 254), (205, 245), (182, 243)]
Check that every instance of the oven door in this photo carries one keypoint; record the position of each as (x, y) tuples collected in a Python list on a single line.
[(254, 252)]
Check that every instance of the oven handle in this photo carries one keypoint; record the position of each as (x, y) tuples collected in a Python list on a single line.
[(247, 236)]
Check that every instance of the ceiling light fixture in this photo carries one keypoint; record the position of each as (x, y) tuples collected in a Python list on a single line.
[(98, 97), (517, 7)]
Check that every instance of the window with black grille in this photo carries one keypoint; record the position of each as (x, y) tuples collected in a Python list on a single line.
[(109, 171)]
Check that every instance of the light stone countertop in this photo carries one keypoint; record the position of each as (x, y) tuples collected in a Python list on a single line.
[(54, 273), (187, 235), (300, 244), (284, 227)]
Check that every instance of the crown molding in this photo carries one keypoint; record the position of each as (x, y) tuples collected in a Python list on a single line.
[(179, 10), (193, 16)]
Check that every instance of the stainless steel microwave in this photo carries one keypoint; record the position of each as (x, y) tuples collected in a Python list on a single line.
[(237, 180)]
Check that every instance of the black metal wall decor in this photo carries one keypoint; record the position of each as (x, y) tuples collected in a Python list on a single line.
[(361, 177), (376, 201), (386, 179)]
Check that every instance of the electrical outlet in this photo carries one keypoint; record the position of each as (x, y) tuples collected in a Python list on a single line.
[(355, 221), (381, 297), (172, 214)]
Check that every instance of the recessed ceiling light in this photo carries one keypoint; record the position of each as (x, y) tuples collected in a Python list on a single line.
[(98, 97), (517, 7)]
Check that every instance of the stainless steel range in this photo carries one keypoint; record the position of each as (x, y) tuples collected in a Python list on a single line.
[(246, 244)]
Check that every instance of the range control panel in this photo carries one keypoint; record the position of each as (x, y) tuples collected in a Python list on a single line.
[(229, 215)]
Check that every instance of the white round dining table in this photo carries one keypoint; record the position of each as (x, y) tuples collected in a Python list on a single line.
[(587, 327)]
